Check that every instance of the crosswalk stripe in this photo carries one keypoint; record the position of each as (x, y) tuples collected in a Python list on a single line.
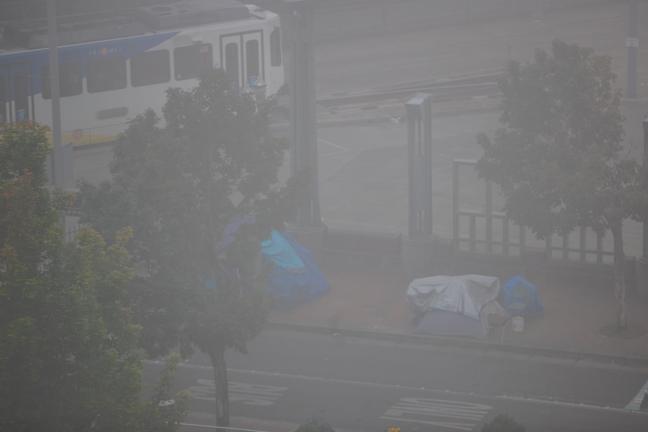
[(635, 403), (449, 425)]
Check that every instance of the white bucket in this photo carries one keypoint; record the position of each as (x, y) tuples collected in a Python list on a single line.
[(517, 322)]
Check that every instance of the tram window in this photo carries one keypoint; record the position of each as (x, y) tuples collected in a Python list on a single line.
[(150, 68), (232, 62), (21, 97), (70, 80), (192, 61), (252, 60), (275, 47), (3, 100), (105, 74)]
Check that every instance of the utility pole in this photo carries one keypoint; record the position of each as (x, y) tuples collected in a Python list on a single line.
[(52, 38), (632, 43)]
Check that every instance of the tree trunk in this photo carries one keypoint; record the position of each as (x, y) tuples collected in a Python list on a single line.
[(619, 274), (221, 390)]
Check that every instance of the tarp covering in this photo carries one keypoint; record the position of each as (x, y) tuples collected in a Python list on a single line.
[(281, 253), (288, 284), (519, 296), (465, 294)]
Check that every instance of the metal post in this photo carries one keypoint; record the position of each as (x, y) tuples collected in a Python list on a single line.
[(297, 20), (52, 35), (455, 204), (645, 172), (505, 236), (632, 43), (583, 244), (489, 216)]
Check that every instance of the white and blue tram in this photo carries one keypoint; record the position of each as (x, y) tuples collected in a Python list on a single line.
[(106, 82)]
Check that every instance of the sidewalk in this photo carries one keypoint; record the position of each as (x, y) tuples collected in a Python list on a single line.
[(373, 300)]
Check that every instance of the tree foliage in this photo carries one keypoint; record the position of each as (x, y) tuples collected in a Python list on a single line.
[(558, 153), (315, 425), (68, 345), (179, 181), (502, 423)]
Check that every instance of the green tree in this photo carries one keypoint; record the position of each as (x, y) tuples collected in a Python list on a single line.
[(503, 423), (179, 185), (557, 155), (68, 346), (315, 425)]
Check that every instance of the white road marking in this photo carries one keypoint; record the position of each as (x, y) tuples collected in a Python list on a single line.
[(635, 403), (454, 393), (338, 148), (248, 394), (450, 414), (228, 428), (449, 425)]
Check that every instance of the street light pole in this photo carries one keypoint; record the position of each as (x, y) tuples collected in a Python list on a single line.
[(52, 37), (645, 180), (632, 44)]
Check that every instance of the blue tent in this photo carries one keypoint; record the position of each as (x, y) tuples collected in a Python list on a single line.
[(295, 277), (520, 297)]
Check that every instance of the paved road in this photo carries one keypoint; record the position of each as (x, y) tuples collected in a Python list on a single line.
[(403, 55), (364, 385)]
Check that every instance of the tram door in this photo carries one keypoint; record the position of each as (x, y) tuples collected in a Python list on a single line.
[(231, 58), (253, 61), (241, 57), (16, 102)]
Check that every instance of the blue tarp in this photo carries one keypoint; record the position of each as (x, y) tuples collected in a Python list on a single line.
[(288, 284), (281, 253), (520, 297)]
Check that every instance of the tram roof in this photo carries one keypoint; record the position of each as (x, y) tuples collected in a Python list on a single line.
[(31, 34)]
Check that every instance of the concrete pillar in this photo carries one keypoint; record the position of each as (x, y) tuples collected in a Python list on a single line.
[(418, 246), (297, 22), (632, 44), (641, 272)]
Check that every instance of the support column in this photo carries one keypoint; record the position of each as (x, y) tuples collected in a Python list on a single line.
[(419, 148), (58, 170), (419, 248), (642, 263), (632, 44), (297, 22), (645, 183)]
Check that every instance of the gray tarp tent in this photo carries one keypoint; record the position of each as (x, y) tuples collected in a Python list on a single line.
[(454, 305)]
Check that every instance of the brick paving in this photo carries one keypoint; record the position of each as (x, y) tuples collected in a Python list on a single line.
[(373, 298)]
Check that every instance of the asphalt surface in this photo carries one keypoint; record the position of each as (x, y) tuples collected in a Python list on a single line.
[(366, 385)]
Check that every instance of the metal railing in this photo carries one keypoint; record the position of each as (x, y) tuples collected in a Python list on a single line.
[(501, 236)]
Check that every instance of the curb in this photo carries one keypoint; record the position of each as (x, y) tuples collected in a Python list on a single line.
[(382, 118), (387, 118), (446, 341)]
